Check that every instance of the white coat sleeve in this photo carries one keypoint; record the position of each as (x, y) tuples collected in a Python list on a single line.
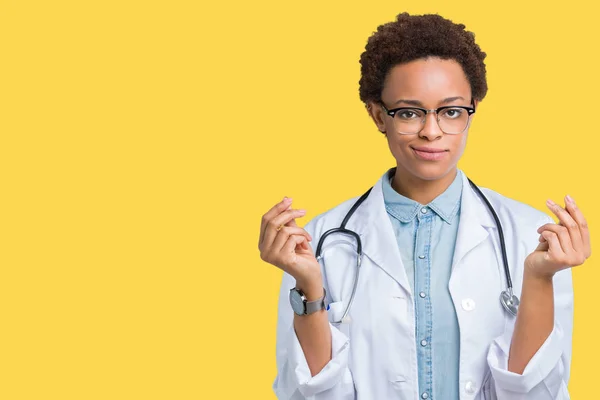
[(294, 380), (546, 376)]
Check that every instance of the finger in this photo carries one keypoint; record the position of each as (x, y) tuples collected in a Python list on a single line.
[(289, 249), (563, 237), (575, 230), (575, 244), (287, 216), (582, 222), (278, 223), (273, 212), (292, 222), (291, 243), (284, 234), (271, 225), (554, 248), (567, 221)]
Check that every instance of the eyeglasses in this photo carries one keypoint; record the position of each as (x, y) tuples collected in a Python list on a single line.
[(452, 120)]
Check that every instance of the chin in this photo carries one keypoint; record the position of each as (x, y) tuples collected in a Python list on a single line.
[(428, 171)]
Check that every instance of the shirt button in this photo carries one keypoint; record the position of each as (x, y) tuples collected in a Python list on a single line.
[(422, 295), (423, 342), (468, 304), (421, 257), (470, 387), (425, 395), (423, 210)]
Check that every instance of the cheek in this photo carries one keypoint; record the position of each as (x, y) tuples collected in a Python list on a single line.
[(389, 125), (457, 144), (463, 141), (398, 143)]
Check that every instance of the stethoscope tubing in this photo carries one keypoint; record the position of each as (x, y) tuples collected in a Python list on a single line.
[(507, 298)]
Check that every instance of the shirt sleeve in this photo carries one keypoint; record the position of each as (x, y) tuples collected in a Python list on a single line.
[(294, 380), (546, 376)]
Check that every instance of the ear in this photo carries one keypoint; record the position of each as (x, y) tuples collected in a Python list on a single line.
[(377, 114)]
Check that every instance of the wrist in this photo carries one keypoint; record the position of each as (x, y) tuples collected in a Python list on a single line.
[(534, 274), (312, 288)]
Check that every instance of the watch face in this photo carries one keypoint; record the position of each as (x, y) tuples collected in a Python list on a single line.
[(297, 302)]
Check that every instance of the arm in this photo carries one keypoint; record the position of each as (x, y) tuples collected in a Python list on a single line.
[(533, 361), (545, 354), (313, 330), (535, 320), (294, 377), (312, 355)]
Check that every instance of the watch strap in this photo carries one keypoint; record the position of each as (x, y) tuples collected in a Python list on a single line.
[(317, 305)]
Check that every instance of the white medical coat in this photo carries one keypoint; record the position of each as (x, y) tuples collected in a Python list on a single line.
[(375, 356)]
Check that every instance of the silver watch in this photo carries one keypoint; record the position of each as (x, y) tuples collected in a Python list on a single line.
[(303, 307)]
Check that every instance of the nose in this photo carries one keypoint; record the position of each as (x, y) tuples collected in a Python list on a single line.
[(431, 129)]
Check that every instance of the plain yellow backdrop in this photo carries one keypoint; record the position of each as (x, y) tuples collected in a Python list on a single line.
[(141, 142)]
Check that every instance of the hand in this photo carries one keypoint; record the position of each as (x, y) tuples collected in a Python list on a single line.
[(286, 245), (563, 245)]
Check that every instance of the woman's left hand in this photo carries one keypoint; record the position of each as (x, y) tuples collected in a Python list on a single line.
[(563, 245)]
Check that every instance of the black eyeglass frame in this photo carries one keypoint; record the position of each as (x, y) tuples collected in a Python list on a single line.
[(393, 111)]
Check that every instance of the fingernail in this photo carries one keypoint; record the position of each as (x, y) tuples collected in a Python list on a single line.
[(550, 203), (570, 199), (287, 199), (302, 212)]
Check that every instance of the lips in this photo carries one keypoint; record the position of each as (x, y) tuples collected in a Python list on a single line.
[(429, 150), (429, 153)]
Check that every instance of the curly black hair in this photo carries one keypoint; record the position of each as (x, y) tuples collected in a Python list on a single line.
[(412, 37)]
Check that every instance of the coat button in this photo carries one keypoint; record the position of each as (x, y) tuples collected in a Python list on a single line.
[(470, 387), (468, 304), (424, 342), (423, 210), (425, 395), (422, 295)]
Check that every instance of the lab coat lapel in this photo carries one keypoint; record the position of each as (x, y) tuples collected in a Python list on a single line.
[(474, 219), (374, 227)]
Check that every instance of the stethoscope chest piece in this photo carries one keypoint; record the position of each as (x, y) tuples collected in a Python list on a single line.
[(509, 301)]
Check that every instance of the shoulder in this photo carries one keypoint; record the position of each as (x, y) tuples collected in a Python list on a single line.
[(517, 212)]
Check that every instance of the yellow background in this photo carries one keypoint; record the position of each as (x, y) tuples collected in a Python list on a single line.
[(141, 142)]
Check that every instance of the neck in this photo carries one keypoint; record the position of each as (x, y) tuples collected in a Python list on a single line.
[(420, 190)]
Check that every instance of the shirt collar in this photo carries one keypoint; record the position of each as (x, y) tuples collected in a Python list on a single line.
[(446, 205)]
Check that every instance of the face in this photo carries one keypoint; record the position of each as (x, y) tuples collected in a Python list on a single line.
[(426, 83)]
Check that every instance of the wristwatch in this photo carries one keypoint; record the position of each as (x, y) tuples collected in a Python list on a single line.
[(303, 307)]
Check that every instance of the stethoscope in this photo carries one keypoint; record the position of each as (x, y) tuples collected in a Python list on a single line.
[(509, 300)]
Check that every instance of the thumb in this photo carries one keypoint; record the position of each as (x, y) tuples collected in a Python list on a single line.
[(543, 246)]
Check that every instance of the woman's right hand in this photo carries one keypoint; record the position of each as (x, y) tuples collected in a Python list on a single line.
[(286, 245)]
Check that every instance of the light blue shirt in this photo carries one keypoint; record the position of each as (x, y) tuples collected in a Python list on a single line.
[(426, 236)]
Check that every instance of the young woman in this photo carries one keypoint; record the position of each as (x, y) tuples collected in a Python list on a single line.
[(430, 310)]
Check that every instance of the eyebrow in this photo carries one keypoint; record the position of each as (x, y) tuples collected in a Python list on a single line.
[(417, 103)]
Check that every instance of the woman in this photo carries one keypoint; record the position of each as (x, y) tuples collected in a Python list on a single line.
[(425, 321)]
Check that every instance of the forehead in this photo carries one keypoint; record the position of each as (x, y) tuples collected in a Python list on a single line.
[(427, 80)]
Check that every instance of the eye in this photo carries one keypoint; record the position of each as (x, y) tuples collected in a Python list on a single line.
[(452, 113), (409, 114)]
